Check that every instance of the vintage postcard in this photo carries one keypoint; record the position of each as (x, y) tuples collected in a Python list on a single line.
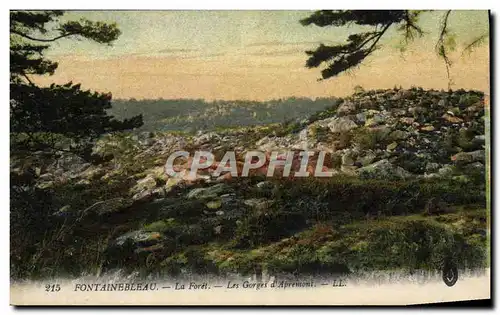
[(336, 157)]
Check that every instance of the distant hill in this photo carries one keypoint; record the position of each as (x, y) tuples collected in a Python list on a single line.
[(196, 114)]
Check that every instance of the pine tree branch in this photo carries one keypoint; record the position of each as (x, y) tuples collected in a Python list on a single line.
[(27, 78), (41, 39), (440, 46), (381, 33), (478, 41)]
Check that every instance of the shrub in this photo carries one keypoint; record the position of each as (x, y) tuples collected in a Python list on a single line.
[(263, 228)]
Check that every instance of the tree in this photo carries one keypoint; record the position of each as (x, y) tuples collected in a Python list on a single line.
[(359, 46), (42, 116)]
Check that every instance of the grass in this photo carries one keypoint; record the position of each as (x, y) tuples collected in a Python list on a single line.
[(340, 224), (412, 242)]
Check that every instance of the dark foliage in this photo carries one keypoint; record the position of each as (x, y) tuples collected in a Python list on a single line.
[(343, 57), (59, 110)]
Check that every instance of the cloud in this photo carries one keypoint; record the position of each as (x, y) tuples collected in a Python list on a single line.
[(278, 43), (177, 50), (277, 53)]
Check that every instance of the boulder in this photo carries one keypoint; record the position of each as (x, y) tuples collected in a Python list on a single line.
[(265, 185), (398, 135), (258, 203), (208, 192), (376, 120), (407, 120), (427, 128), (392, 146), (138, 241), (206, 138), (146, 183), (479, 140), (348, 157), (340, 125), (469, 157), (475, 167), (361, 117), (367, 158), (452, 119), (107, 206), (383, 169), (214, 204), (432, 167), (446, 170), (346, 107)]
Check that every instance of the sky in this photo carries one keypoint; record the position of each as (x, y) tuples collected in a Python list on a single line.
[(257, 55)]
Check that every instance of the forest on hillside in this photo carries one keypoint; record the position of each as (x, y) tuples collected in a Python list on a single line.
[(190, 115)]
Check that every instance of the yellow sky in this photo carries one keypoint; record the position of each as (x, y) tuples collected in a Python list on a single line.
[(254, 55)]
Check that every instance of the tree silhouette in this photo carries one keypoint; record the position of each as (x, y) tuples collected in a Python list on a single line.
[(40, 116), (344, 57)]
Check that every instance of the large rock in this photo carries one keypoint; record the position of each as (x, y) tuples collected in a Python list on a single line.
[(138, 237), (367, 158), (376, 120), (68, 164), (346, 107), (452, 119), (469, 157), (432, 167), (265, 185), (399, 135), (383, 169), (446, 170), (208, 192), (273, 143), (147, 183), (349, 157), (259, 203), (340, 125), (206, 138), (479, 140), (108, 206), (139, 241)]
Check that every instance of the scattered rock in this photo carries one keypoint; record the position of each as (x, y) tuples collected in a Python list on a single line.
[(392, 146), (383, 169), (346, 107), (427, 128), (209, 192), (479, 140), (258, 203), (398, 135), (432, 167), (469, 157), (215, 204), (452, 119), (349, 157), (139, 238), (340, 125), (265, 185), (367, 158), (407, 120), (376, 120)]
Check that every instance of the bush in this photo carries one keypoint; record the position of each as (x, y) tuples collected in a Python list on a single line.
[(263, 228), (347, 197)]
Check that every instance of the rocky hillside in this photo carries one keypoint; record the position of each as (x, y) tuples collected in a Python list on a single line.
[(396, 133), (192, 115), (409, 175)]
